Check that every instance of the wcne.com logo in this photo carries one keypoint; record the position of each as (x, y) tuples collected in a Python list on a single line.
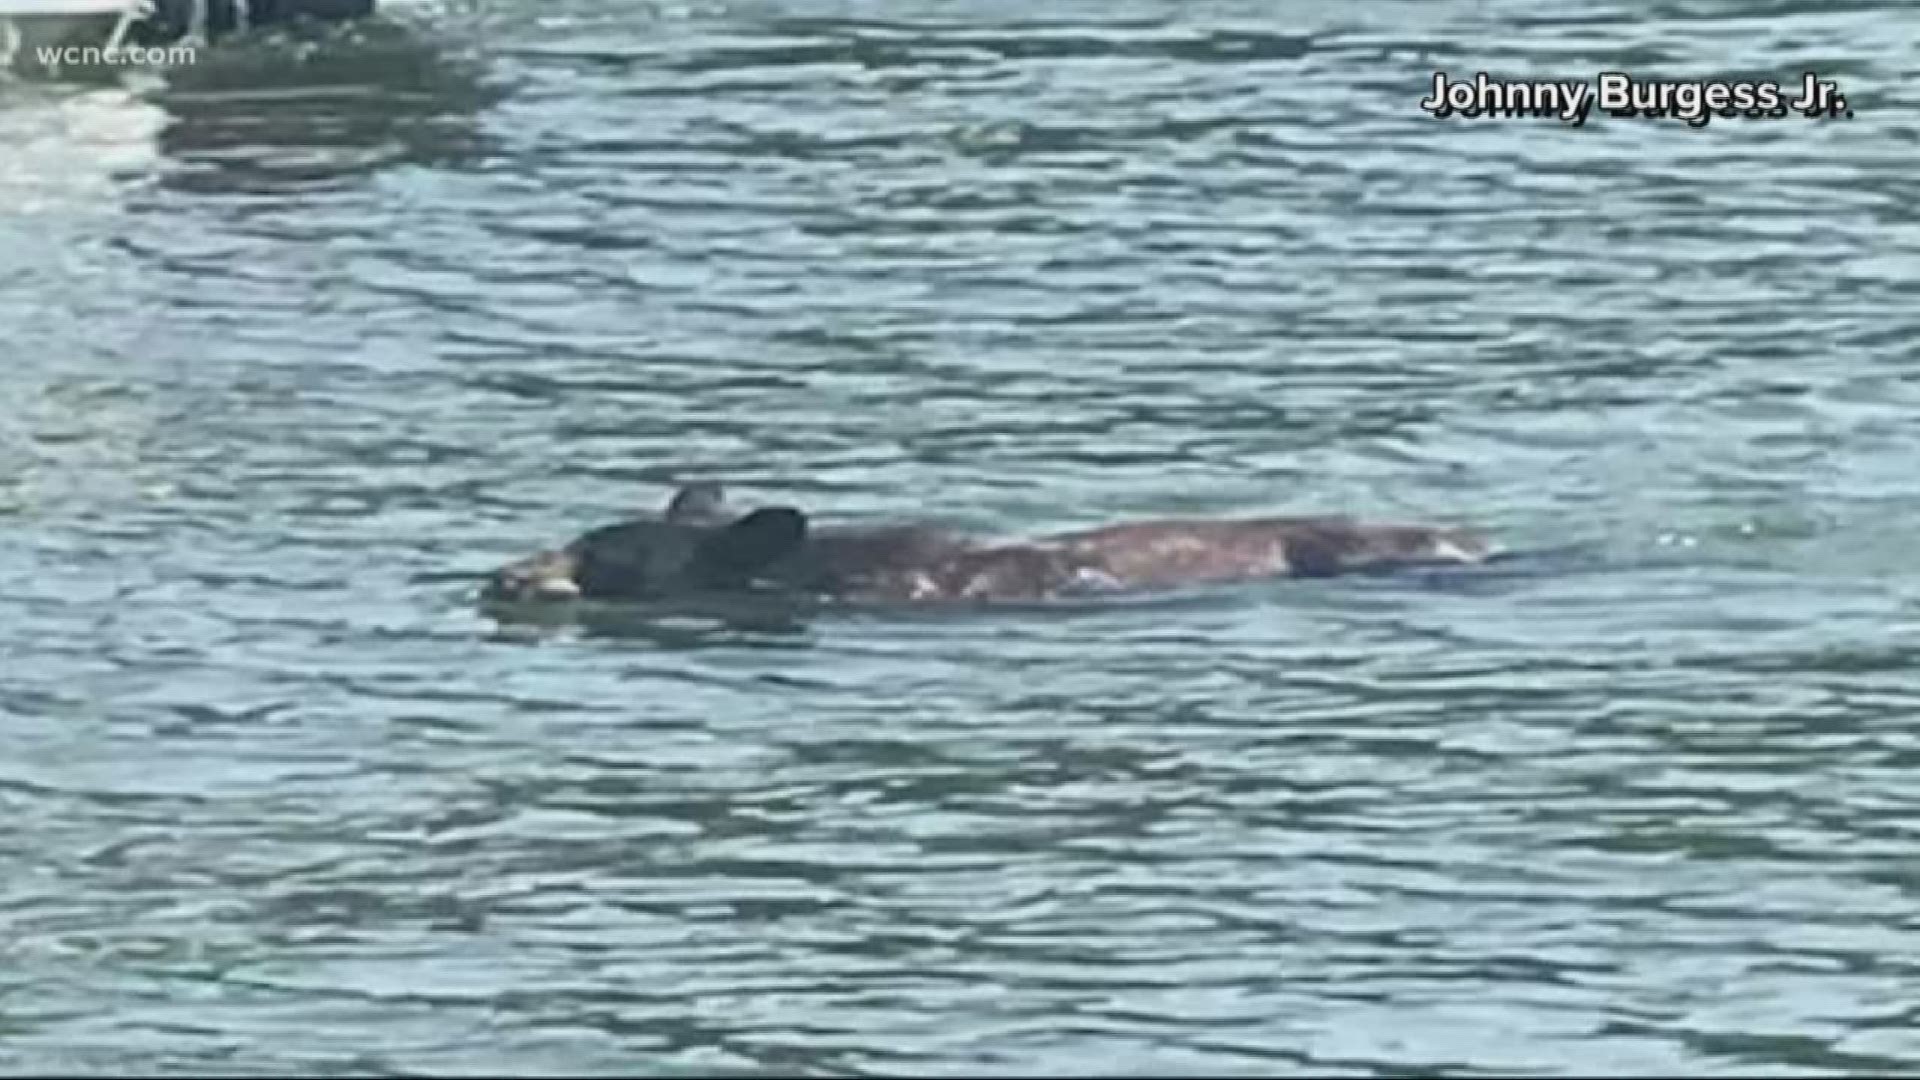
[(59, 56), (63, 20)]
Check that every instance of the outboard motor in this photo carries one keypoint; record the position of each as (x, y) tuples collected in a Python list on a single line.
[(171, 20)]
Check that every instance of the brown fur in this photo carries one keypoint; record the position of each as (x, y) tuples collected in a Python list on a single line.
[(1172, 551), (1166, 553)]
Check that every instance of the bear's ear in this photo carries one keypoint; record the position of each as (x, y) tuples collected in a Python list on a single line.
[(702, 502), (748, 545)]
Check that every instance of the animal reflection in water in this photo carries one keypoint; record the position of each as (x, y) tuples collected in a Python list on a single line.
[(700, 546)]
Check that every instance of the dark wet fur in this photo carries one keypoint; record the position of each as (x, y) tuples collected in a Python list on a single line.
[(699, 544), (836, 560), (696, 546), (638, 559)]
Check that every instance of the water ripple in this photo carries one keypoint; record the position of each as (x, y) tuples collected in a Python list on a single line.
[(321, 326)]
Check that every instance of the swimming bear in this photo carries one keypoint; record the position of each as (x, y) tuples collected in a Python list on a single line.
[(695, 545), (701, 544)]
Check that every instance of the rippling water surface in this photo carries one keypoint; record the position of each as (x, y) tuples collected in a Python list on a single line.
[(297, 336)]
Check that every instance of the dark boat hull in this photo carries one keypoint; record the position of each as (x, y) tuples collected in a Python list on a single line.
[(174, 19)]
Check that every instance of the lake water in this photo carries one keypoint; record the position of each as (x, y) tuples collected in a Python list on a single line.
[(296, 336)]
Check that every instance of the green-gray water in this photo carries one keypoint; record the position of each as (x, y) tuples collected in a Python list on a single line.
[(300, 329)]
